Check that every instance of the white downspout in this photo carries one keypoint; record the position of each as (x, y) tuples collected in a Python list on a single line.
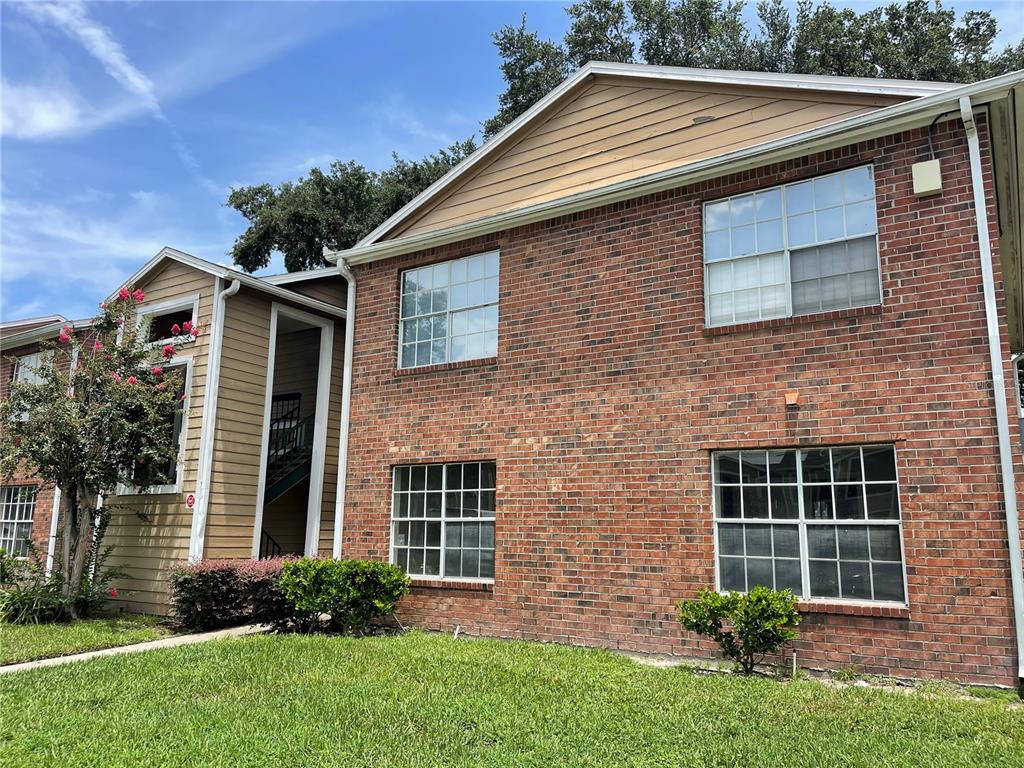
[(995, 349), (51, 543), (346, 406), (197, 539)]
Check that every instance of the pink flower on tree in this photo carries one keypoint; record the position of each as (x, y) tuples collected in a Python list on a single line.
[(187, 326), (113, 593), (195, 331), (97, 345), (157, 371), (116, 376), (138, 295), (64, 336), (132, 380), (124, 294), (175, 329), (168, 351)]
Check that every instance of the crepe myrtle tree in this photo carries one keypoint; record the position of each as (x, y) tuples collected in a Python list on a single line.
[(97, 415)]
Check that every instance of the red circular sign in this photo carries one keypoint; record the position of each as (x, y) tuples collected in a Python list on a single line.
[(190, 500)]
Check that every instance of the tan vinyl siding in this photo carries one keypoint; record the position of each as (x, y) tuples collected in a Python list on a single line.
[(331, 290), (614, 130), (238, 434), (145, 548)]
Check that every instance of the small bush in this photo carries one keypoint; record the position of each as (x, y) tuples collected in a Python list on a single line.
[(27, 594), (267, 603), (208, 595), (351, 592), (746, 627)]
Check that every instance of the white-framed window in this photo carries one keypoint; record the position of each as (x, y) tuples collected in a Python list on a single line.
[(26, 370), (449, 311), (177, 426), (164, 316), (795, 249), (17, 508), (824, 522), (443, 520)]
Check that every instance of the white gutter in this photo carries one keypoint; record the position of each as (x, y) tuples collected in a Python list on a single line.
[(197, 538), (898, 117), (346, 407), (995, 350)]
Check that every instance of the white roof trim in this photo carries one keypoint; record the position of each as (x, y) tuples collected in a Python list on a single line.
[(230, 274), (43, 332), (859, 85), (852, 129), (296, 277), (45, 319)]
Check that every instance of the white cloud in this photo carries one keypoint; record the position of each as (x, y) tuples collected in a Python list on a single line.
[(34, 112), (72, 17)]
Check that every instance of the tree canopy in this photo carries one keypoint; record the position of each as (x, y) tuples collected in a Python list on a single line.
[(914, 40), (335, 208)]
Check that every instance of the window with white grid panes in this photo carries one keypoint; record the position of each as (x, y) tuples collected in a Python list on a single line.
[(17, 508), (449, 311), (823, 522), (443, 520), (793, 249)]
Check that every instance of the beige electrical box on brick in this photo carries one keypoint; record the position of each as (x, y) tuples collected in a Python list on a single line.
[(927, 178)]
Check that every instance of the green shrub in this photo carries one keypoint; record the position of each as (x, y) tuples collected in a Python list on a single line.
[(208, 595), (351, 592), (27, 594), (265, 599), (746, 627)]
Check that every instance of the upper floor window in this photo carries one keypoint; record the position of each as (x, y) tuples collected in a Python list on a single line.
[(166, 478), (26, 370), (449, 311), (169, 320), (794, 249), (824, 522)]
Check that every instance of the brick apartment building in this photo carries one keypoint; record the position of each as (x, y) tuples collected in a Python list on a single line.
[(672, 329), (679, 329)]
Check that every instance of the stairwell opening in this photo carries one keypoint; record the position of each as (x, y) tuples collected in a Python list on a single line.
[(293, 486)]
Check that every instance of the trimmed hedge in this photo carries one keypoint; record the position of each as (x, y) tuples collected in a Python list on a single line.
[(289, 594), (351, 592)]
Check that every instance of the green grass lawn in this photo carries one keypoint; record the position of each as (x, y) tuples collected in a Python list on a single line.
[(428, 700), (41, 641)]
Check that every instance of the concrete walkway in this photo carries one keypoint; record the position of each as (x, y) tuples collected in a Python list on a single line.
[(152, 645)]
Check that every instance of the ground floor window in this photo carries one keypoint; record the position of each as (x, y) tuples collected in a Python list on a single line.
[(17, 508), (443, 520), (824, 522)]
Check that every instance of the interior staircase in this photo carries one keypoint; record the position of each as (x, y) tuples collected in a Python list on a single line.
[(289, 456)]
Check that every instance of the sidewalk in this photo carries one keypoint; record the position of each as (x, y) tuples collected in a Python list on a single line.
[(152, 645)]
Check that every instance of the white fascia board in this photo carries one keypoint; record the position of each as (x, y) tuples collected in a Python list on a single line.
[(13, 325), (822, 83), (42, 333), (216, 270), (298, 277), (858, 85), (848, 131)]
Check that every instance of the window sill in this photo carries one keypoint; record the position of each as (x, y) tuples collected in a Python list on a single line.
[(153, 490), (451, 584), (783, 322), (878, 610), (483, 361)]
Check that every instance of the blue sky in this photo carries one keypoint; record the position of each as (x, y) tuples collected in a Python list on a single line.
[(125, 124)]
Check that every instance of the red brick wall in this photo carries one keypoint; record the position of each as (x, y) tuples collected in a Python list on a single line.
[(608, 394), (41, 517)]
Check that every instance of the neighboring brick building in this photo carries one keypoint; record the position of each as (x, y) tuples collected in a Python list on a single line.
[(617, 352), (27, 505)]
